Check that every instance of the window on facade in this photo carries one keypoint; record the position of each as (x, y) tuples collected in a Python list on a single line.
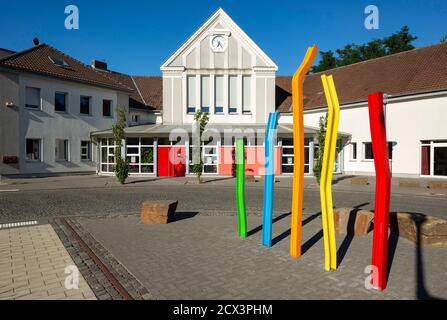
[(368, 151), (191, 99), (61, 150), (140, 154), (246, 96), (107, 155), (32, 98), (86, 151), (135, 119), (205, 93), (232, 94), (107, 108), (219, 94), (353, 150), (60, 102), (434, 158), (84, 105), (33, 150)]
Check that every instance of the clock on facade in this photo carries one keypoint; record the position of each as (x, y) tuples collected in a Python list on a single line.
[(218, 43)]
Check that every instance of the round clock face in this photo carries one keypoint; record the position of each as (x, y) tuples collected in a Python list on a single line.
[(219, 43)]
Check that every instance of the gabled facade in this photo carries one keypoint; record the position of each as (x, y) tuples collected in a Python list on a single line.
[(219, 70)]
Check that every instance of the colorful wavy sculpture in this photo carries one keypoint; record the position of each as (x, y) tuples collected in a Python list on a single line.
[(240, 188), (298, 145), (269, 178), (383, 189), (330, 248)]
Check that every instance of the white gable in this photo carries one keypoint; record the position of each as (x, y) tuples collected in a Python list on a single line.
[(242, 52)]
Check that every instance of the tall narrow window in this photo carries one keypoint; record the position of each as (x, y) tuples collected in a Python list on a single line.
[(60, 102), (84, 107), (205, 93), (61, 151), (33, 150), (246, 97), (191, 99), (232, 93), (368, 151), (353, 150), (86, 151), (219, 95), (32, 96), (106, 108)]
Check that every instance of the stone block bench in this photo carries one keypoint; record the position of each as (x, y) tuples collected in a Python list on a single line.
[(158, 212), (418, 228)]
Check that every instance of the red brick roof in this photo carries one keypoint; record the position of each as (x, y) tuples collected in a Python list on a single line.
[(151, 90), (37, 60), (416, 71)]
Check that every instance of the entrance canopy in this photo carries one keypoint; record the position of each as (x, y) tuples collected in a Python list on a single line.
[(160, 130)]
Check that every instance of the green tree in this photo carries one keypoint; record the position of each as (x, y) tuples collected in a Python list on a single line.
[(443, 39), (353, 53), (321, 137), (399, 41), (122, 166), (202, 119), (328, 61)]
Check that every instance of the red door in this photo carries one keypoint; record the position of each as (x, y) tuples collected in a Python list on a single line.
[(171, 161)]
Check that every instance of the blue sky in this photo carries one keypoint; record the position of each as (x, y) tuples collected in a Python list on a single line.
[(136, 36)]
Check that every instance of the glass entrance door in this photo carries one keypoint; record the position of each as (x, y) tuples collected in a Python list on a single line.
[(440, 159)]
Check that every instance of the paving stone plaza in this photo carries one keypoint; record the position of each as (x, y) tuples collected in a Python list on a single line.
[(199, 256)]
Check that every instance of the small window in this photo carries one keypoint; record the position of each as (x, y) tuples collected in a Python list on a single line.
[(86, 151), (368, 151), (205, 109), (107, 108), (32, 96), (61, 150), (135, 118), (60, 102), (353, 150), (59, 62), (33, 150), (84, 107)]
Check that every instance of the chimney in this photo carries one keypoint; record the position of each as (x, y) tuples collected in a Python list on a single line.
[(100, 65)]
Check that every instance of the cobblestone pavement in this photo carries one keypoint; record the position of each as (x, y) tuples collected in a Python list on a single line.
[(200, 257), (101, 284), (32, 266), (24, 205)]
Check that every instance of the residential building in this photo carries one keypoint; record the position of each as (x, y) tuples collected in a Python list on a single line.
[(51, 108)]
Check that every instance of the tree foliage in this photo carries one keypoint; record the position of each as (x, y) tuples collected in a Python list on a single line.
[(202, 119), (321, 137), (353, 53), (122, 167)]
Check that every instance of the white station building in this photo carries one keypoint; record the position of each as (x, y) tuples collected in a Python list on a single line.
[(56, 113)]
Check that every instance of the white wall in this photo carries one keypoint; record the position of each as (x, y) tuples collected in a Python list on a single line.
[(408, 122), (49, 125)]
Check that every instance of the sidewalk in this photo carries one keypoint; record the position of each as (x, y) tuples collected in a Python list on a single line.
[(403, 186)]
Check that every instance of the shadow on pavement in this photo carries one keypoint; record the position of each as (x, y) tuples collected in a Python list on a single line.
[(418, 219), (343, 249), (179, 216), (286, 233), (259, 228)]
